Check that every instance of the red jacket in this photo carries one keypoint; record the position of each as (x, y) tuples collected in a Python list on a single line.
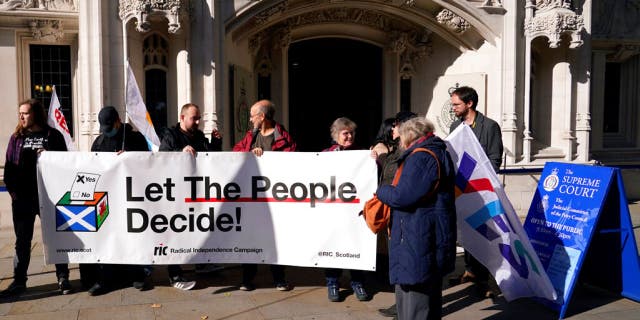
[(282, 140)]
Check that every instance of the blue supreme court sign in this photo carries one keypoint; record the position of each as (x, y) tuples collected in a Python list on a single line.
[(580, 209)]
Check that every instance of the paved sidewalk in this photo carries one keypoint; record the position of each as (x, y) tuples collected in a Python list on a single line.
[(217, 296)]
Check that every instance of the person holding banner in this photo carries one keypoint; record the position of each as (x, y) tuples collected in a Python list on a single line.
[(266, 134), (464, 101), (31, 136), (343, 133), (115, 136), (423, 221), (187, 137)]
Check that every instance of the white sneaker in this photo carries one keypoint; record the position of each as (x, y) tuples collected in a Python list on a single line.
[(182, 284)]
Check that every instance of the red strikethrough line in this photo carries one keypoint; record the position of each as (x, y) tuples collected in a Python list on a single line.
[(356, 200)]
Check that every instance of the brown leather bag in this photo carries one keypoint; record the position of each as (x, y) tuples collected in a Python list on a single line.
[(378, 214)]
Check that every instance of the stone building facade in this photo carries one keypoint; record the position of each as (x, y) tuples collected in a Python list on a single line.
[(561, 77)]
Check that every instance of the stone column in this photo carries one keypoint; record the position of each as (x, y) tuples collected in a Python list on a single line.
[(511, 77), (90, 70), (583, 91)]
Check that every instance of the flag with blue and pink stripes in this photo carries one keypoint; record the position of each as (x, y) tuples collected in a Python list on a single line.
[(488, 226)]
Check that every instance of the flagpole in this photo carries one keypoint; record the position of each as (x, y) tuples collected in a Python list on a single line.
[(125, 58)]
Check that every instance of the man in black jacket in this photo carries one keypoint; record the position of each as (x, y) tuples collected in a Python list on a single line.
[(464, 101), (115, 136), (187, 137)]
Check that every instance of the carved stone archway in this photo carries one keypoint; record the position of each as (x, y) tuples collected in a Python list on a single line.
[(403, 26), (406, 30)]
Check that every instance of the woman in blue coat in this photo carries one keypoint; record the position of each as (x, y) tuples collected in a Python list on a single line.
[(423, 222)]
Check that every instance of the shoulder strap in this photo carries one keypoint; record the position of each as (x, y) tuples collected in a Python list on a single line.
[(399, 171), (437, 163)]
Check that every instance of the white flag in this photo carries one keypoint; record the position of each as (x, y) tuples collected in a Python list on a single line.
[(56, 120), (488, 226), (137, 111)]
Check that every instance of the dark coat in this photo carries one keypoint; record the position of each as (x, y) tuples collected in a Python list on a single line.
[(20, 180), (423, 224), (489, 135), (282, 141), (388, 165), (175, 139), (134, 141)]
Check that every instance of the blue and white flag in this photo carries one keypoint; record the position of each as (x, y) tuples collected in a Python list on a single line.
[(56, 120), (488, 226), (137, 111)]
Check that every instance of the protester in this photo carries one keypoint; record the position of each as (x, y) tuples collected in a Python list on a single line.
[(31, 136), (388, 161), (423, 222), (115, 136), (383, 142), (387, 165), (343, 133), (187, 137), (464, 101), (265, 135)]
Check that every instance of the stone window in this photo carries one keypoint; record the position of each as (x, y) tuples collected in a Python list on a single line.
[(156, 51), (51, 65)]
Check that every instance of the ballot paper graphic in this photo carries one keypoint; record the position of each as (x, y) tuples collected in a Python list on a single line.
[(84, 186), (82, 209)]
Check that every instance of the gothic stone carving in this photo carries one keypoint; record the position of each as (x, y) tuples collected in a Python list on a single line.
[(412, 43), (282, 38), (398, 41), (342, 15), (52, 5), (412, 46), (267, 15), (46, 30), (452, 21), (552, 19), (172, 10), (552, 4)]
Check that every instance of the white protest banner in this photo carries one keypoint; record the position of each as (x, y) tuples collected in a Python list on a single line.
[(291, 208), (488, 226)]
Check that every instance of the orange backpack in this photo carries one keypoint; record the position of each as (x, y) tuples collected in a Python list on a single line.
[(378, 214)]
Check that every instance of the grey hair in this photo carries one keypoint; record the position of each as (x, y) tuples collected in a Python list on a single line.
[(266, 107), (342, 124), (414, 129)]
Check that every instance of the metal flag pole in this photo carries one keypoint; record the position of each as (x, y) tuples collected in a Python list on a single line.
[(125, 58)]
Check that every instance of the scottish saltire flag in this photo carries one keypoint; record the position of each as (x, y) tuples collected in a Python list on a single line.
[(137, 111), (81, 215), (56, 120), (488, 226)]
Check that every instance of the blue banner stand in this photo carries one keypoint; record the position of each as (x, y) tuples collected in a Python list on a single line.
[(615, 232), (580, 226)]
